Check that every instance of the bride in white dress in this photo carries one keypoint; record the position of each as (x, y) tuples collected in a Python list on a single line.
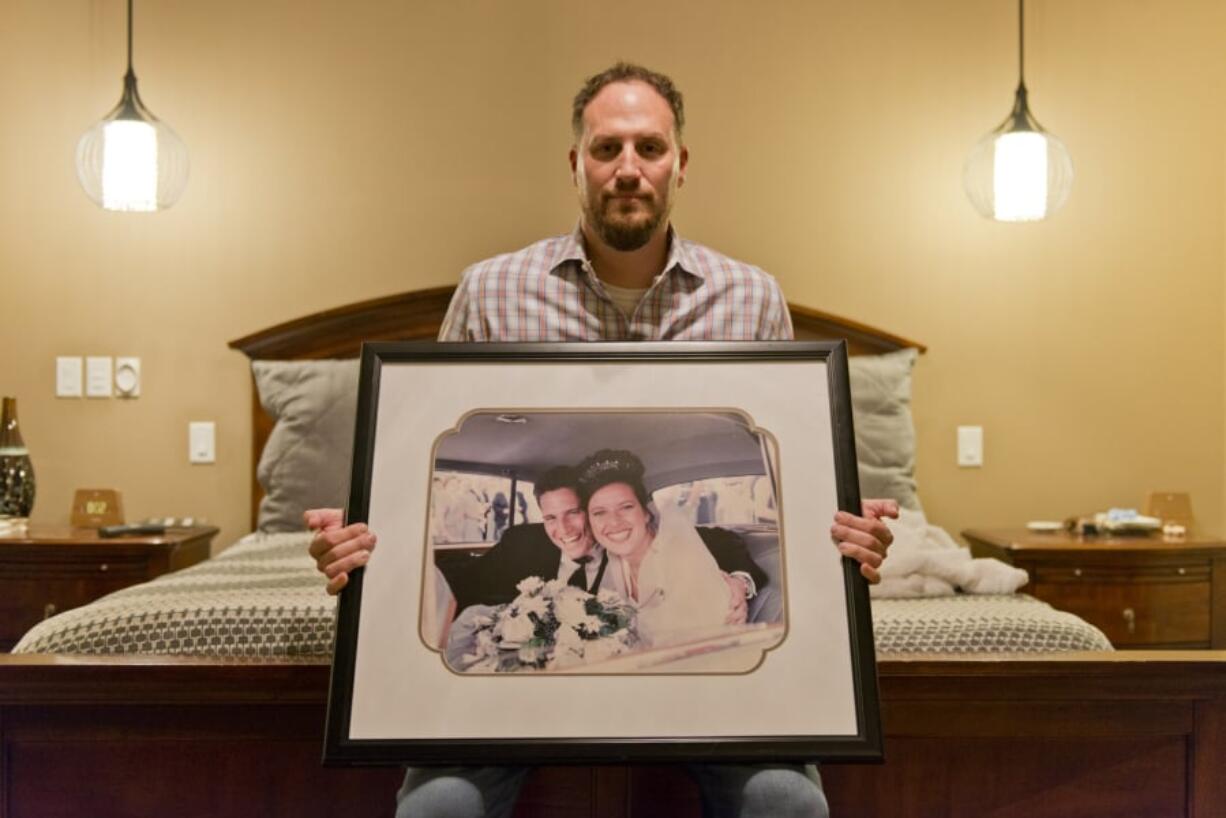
[(668, 572)]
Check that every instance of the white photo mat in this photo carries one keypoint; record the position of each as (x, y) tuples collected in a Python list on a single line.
[(805, 687)]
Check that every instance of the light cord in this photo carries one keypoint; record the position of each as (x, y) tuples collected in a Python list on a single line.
[(129, 36), (1021, 42)]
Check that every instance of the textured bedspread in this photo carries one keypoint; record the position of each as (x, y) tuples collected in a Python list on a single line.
[(994, 623), (260, 597), (263, 598)]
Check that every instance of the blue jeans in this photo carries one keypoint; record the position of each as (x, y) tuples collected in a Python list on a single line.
[(728, 791)]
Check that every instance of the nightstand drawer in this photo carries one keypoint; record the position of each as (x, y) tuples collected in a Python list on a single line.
[(19, 567), (1143, 592), (48, 569), (1134, 613), (1082, 572), (26, 602)]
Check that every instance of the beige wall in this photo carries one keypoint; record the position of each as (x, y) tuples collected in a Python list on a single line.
[(343, 151)]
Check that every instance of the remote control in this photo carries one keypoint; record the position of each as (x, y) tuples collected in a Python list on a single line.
[(130, 530)]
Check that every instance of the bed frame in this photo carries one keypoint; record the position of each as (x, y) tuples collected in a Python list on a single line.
[(1091, 734)]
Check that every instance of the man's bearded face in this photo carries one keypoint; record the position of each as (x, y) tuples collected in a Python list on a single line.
[(628, 164)]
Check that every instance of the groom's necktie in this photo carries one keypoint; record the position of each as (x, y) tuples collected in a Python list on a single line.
[(578, 579)]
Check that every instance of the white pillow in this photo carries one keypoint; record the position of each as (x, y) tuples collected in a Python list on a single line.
[(305, 463), (885, 432)]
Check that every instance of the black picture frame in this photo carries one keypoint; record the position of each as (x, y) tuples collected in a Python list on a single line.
[(392, 700)]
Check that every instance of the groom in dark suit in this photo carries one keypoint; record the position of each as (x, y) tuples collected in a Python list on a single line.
[(562, 547)]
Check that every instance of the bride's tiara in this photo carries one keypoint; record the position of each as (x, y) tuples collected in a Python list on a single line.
[(602, 466), (611, 461)]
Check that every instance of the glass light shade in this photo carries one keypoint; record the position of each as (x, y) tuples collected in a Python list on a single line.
[(132, 161), (1018, 172)]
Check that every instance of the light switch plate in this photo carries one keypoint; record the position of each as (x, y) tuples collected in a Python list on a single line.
[(970, 446), (68, 371), (127, 377), (98, 377), (201, 441)]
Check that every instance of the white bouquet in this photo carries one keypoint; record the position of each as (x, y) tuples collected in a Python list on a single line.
[(551, 625)]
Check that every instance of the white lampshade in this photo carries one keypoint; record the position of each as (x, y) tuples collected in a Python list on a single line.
[(1018, 172), (132, 161), (1018, 175), (134, 164)]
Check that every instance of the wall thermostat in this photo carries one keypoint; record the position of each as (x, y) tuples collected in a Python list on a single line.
[(127, 377)]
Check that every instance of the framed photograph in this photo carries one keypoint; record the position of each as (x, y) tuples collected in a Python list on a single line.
[(602, 552)]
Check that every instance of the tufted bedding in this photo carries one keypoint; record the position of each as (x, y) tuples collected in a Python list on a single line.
[(263, 598)]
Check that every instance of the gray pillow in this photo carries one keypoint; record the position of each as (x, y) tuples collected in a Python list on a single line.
[(313, 403), (305, 463), (885, 433)]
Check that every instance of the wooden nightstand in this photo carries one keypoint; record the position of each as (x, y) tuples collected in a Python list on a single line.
[(1142, 592), (48, 569)]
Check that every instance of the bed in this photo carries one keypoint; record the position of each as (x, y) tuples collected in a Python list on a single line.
[(262, 599), (1051, 723)]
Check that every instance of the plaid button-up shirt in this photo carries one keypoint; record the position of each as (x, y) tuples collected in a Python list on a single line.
[(548, 291)]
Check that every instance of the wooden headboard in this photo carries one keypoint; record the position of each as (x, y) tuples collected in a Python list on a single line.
[(417, 315)]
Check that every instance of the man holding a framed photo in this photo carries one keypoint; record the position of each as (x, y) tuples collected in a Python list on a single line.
[(622, 275)]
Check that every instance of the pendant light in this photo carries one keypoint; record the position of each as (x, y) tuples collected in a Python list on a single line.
[(1018, 172), (131, 160)]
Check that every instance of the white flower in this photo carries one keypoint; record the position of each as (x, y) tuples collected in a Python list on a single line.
[(570, 609), (568, 649), (571, 592), (591, 624), (517, 629), (533, 604), (569, 639), (564, 659), (554, 587), (530, 656), (529, 585), (610, 599), (599, 649)]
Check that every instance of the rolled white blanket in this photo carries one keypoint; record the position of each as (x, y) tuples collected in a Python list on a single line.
[(925, 561)]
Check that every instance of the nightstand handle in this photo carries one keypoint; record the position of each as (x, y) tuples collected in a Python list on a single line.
[(49, 610), (104, 567), (1130, 620), (1076, 572)]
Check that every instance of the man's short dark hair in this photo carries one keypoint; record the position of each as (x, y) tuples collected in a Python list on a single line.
[(558, 477), (627, 72)]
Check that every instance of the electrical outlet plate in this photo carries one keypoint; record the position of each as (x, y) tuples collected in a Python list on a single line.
[(970, 446), (201, 441)]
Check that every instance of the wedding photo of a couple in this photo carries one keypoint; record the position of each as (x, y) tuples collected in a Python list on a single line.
[(603, 542), (626, 537)]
